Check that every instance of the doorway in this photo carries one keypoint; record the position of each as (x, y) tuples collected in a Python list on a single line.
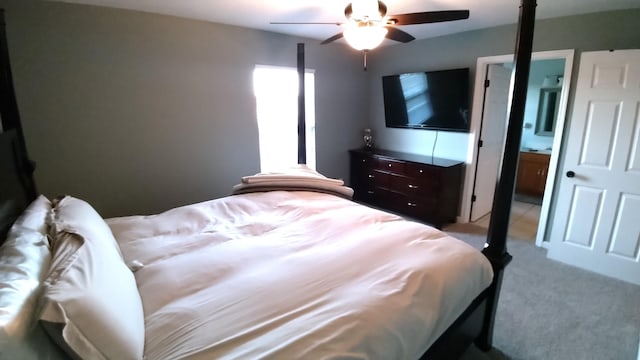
[(523, 221), (475, 173)]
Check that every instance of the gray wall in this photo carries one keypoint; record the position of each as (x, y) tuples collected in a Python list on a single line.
[(137, 113), (609, 30)]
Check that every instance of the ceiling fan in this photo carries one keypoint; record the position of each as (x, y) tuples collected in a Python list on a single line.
[(368, 24)]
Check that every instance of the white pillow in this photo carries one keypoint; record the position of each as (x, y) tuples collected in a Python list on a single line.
[(90, 291), (24, 259), (35, 216)]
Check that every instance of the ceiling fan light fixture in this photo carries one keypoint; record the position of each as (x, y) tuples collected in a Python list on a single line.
[(365, 9), (364, 36)]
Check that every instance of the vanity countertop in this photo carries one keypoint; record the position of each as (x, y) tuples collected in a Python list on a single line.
[(536, 151)]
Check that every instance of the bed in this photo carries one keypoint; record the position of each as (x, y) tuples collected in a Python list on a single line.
[(296, 274), (286, 267)]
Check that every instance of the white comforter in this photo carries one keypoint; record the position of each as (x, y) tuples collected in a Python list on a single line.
[(295, 275)]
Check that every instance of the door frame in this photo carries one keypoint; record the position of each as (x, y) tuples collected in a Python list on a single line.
[(476, 121)]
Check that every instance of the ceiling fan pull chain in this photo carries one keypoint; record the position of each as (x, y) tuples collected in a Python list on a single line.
[(365, 59)]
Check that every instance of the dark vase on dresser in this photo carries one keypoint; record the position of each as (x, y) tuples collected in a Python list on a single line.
[(420, 187)]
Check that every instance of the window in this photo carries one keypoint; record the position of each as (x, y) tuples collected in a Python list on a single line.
[(276, 91)]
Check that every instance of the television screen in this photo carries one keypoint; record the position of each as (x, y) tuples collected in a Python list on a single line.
[(433, 100)]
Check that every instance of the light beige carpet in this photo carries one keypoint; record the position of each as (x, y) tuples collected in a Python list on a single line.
[(548, 310)]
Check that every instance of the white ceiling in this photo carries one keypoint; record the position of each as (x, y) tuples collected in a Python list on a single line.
[(257, 14)]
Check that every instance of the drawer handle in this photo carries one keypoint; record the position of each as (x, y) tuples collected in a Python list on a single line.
[(371, 176), (420, 171), (413, 186), (364, 160), (389, 165), (412, 204), (370, 192)]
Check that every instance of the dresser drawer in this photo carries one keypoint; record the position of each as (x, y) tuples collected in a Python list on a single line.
[(394, 166), (379, 178), (424, 172), (363, 162), (421, 211), (416, 186), (369, 195), (417, 207)]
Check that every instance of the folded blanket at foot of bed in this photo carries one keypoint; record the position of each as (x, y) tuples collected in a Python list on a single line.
[(297, 178)]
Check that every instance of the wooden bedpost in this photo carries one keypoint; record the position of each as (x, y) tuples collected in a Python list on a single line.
[(496, 251), (16, 170), (302, 128)]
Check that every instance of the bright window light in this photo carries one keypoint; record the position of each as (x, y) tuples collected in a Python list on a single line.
[(276, 91)]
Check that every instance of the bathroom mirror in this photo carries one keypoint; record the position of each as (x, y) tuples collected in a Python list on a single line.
[(547, 111)]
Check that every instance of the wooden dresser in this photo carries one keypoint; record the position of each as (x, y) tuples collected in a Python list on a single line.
[(422, 187)]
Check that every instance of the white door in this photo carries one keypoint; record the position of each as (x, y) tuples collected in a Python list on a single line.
[(597, 217), (494, 122)]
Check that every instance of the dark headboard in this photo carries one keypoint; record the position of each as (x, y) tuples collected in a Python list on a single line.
[(17, 188), (15, 195)]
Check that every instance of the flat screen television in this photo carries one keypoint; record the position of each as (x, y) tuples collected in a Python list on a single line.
[(432, 100)]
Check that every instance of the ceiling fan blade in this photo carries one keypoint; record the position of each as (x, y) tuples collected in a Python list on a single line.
[(332, 39), (428, 17), (304, 23), (396, 34)]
